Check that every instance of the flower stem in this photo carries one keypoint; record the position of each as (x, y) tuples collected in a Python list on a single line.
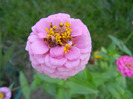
[(17, 88), (128, 38)]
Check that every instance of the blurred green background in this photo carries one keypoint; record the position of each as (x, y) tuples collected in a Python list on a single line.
[(102, 17)]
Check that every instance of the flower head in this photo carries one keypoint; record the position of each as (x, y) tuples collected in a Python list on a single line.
[(5, 93), (125, 65), (59, 46)]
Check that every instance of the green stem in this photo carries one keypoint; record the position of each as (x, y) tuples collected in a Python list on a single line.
[(128, 38), (17, 88)]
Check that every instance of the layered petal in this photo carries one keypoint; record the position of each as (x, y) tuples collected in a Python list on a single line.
[(58, 62), (73, 54), (57, 51), (39, 47)]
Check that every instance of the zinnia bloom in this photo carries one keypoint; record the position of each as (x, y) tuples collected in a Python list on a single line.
[(125, 65), (59, 46), (5, 93)]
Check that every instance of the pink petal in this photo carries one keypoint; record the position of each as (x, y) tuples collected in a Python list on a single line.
[(85, 61), (33, 60), (72, 64), (42, 35), (27, 46), (56, 21), (73, 54), (46, 68), (76, 22), (39, 47), (82, 42), (40, 58), (47, 61), (61, 15), (57, 51), (32, 38), (84, 56), (86, 50), (63, 69), (57, 62), (41, 25), (76, 31)]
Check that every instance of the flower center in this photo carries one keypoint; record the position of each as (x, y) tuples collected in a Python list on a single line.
[(59, 35), (2, 95), (128, 66)]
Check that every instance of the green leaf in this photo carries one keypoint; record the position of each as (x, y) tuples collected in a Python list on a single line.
[(121, 81), (24, 86), (60, 93), (8, 55), (11, 86), (113, 91), (33, 85), (68, 93), (121, 45), (84, 75), (48, 79), (80, 88), (88, 75), (84, 86), (100, 78), (50, 88)]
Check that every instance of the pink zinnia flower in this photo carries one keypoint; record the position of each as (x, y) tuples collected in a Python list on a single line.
[(5, 93), (125, 65), (59, 46)]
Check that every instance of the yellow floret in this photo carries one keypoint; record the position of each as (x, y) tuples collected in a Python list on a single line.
[(66, 48), (54, 27), (67, 24), (68, 29), (1, 95), (61, 24), (49, 32), (64, 35), (58, 37)]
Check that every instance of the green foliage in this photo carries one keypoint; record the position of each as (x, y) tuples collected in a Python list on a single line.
[(7, 56), (24, 86), (121, 45)]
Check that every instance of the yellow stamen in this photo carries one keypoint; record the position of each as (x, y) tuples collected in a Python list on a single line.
[(66, 48), (64, 35), (54, 27), (68, 34), (47, 30), (58, 37), (68, 29), (67, 24), (61, 24), (50, 24), (50, 32), (2, 95)]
